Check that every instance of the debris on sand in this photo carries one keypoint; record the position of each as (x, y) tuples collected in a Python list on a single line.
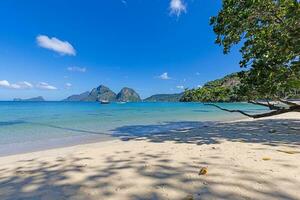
[(288, 151), (266, 158), (189, 197), (203, 171)]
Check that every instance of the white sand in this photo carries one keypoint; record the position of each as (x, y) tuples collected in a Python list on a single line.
[(166, 166)]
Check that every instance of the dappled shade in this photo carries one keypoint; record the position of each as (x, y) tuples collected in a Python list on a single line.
[(169, 173), (212, 132)]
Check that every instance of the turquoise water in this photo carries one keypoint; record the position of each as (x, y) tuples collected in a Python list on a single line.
[(27, 126)]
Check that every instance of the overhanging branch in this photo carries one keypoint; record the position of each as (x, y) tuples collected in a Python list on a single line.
[(268, 114), (289, 103), (232, 111), (269, 105)]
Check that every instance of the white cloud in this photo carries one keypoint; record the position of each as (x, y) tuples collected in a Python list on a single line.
[(180, 87), (177, 7), (22, 85), (19, 85), (164, 76), (4, 83), (77, 69), (199, 86), (54, 44), (25, 85), (45, 86), (68, 85)]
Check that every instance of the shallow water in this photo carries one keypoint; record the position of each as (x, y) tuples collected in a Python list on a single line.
[(27, 126)]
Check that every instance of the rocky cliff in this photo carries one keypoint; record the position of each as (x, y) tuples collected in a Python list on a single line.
[(128, 95), (101, 93)]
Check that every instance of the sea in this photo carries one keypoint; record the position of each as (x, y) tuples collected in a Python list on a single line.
[(33, 126)]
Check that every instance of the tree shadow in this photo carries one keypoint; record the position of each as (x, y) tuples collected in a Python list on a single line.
[(269, 132), (152, 173), (136, 175)]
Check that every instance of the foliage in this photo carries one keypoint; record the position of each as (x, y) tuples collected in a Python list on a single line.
[(218, 94), (269, 31), (229, 89), (220, 90)]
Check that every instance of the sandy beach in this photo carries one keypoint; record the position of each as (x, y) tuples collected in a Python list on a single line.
[(247, 159)]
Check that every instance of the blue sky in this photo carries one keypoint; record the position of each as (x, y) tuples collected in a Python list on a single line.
[(58, 48)]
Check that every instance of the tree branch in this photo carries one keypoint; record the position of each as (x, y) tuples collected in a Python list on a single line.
[(288, 102), (258, 103), (276, 112), (270, 106), (224, 109)]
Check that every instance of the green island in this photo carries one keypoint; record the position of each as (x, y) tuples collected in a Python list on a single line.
[(227, 89)]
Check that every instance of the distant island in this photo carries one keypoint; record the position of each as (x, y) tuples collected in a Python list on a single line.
[(225, 89), (219, 90), (128, 95), (164, 98), (77, 97), (103, 93), (39, 98)]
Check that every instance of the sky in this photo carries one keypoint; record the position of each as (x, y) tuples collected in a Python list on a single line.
[(55, 48)]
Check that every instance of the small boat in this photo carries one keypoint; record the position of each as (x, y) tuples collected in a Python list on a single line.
[(121, 102), (104, 102)]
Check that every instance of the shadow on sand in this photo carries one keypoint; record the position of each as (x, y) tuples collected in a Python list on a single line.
[(34, 179), (269, 132)]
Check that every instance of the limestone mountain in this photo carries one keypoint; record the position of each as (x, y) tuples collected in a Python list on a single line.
[(128, 95), (101, 93)]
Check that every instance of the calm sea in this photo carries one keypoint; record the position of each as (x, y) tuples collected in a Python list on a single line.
[(30, 126)]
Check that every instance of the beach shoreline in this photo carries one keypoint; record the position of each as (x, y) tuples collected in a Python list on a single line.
[(34, 126), (55, 143), (246, 159)]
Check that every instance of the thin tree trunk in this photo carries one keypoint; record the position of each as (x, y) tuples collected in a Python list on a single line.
[(270, 106), (255, 116), (288, 102)]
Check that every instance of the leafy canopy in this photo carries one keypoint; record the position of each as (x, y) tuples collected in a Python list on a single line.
[(269, 31)]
